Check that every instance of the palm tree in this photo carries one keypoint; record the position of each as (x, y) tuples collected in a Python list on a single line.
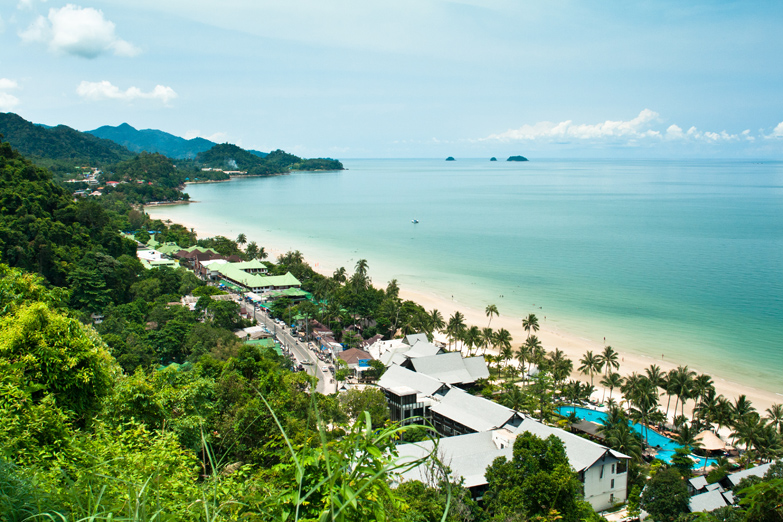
[(262, 253), (472, 338), (506, 353), (513, 397), (241, 239), (625, 440), (655, 375), (487, 339), (340, 275), (436, 320), (530, 324), (775, 416), (612, 381), (609, 359), (251, 251), (491, 310), (642, 393), (702, 384), (591, 364), (524, 354), (455, 328), (560, 364), (503, 339), (682, 385)]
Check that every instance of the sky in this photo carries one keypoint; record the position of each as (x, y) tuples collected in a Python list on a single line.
[(409, 78)]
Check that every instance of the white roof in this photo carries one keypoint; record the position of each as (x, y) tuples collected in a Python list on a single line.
[(707, 501), (451, 367), (396, 377), (477, 413), (758, 471)]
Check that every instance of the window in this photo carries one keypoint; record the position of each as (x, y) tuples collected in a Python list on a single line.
[(612, 469), (622, 466), (611, 485), (601, 475)]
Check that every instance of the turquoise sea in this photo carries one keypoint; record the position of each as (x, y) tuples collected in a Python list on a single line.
[(682, 258)]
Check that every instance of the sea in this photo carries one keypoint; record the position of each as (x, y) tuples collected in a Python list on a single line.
[(681, 258)]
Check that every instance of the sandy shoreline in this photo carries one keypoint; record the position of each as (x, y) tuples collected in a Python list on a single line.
[(551, 337)]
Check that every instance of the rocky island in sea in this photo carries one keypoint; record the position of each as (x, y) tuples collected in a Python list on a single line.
[(517, 158)]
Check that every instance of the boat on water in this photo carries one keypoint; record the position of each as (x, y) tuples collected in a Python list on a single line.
[(414, 221)]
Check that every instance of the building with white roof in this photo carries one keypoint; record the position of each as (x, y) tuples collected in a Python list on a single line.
[(602, 471)]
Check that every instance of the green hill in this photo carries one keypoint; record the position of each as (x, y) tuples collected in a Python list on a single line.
[(152, 140), (53, 146)]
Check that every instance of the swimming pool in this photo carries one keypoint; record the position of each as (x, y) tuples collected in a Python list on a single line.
[(664, 445)]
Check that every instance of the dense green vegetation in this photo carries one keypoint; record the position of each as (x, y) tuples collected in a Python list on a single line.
[(150, 140), (60, 148)]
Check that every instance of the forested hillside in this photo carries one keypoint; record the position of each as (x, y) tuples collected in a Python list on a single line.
[(60, 145)]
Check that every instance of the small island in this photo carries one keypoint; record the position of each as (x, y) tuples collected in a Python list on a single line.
[(493, 158), (450, 158), (516, 158)]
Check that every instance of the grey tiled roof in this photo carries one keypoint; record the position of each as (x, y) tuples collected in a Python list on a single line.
[(707, 501), (396, 376), (448, 367), (758, 471), (477, 413)]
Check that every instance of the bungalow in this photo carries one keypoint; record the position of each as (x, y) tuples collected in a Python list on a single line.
[(237, 274)]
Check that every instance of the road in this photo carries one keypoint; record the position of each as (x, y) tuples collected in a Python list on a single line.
[(302, 354)]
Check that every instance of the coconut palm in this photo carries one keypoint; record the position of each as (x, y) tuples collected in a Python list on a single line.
[(625, 440), (530, 324), (702, 384), (513, 397), (560, 364), (340, 275), (612, 381), (643, 395), (491, 310), (775, 416), (503, 338), (241, 239), (506, 353), (262, 253), (487, 339), (609, 359), (251, 251), (591, 364), (472, 339), (681, 382), (656, 376), (524, 353), (436, 320), (455, 328)]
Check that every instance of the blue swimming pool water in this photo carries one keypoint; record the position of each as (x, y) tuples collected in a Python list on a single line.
[(665, 445)]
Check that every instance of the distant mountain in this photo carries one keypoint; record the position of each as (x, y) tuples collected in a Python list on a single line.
[(151, 140), (59, 143)]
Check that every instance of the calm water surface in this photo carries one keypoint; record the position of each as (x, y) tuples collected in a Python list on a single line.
[(682, 258)]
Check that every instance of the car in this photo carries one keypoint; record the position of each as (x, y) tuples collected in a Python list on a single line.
[(324, 369)]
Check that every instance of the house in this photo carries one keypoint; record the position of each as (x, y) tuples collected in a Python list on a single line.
[(602, 471), (457, 413), (356, 359), (410, 395)]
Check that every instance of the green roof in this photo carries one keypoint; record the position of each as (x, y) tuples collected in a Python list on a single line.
[(234, 271), (253, 264), (290, 292), (232, 286), (158, 263), (266, 343), (200, 249), (169, 248)]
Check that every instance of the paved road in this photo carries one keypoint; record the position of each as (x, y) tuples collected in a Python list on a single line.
[(302, 354)]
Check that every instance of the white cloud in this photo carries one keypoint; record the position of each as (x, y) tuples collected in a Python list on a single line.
[(674, 132), (567, 130), (777, 132), (104, 90), (79, 31), (6, 84), (8, 101)]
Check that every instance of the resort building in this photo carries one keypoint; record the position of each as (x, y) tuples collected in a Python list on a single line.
[(249, 277), (604, 472)]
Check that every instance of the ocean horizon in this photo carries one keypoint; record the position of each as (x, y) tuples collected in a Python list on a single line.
[(677, 258)]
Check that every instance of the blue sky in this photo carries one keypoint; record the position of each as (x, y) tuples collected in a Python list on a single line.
[(423, 78)]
